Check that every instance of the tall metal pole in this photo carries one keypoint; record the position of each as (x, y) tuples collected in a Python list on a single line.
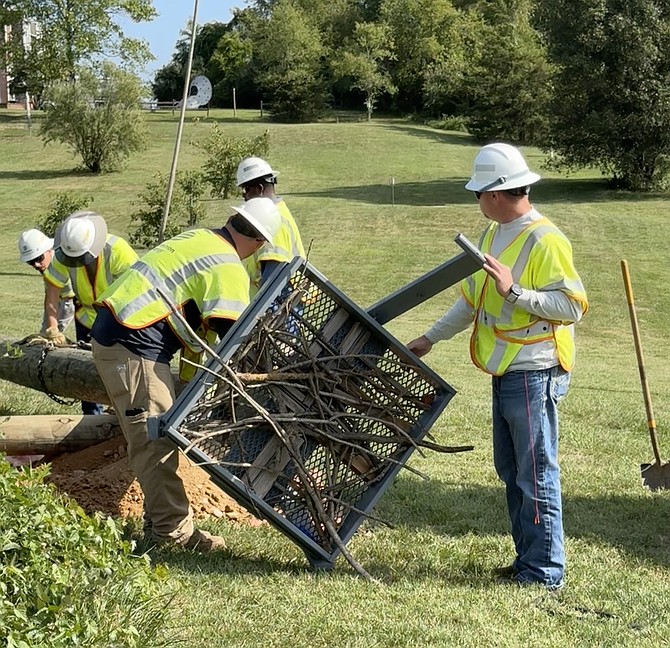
[(180, 129)]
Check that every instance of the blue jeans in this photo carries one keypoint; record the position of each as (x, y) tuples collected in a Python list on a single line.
[(83, 334), (525, 454)]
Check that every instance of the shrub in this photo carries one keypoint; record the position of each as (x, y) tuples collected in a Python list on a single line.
[(98, 116), (64, 203), (224, 154), (67, 579), (186, 209)]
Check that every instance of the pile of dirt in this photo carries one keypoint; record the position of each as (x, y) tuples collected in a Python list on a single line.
[(99, 479)]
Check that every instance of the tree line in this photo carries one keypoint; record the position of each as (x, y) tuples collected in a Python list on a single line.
[(587, 81)]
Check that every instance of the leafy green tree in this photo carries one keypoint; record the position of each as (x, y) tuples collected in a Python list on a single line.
[(611, 105), (288, 54), (186, 208), (224, 153), (508, 79), (98, 116), (363, 61), (168, 82), (63, 204), (229, 68), (71, 33), (423, 32)]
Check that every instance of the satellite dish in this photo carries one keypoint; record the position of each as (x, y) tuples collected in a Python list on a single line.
[(199, 92)]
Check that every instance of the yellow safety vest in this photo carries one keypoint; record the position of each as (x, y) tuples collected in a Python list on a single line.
[(286, 245), (540, 259), (186, 369), (198, 265), (116, 257)]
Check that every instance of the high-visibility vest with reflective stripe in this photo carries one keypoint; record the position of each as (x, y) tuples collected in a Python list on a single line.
[(198, 265), (286, 245), (116, 257), (188, 356), (540, 259)]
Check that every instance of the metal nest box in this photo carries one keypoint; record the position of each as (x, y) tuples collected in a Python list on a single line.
[(311, 411)]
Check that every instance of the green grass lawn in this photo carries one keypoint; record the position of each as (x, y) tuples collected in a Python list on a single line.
[(434, 565)]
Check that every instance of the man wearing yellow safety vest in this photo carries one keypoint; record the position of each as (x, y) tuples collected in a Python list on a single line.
[(256, 178), (136, 334), (36, 249), (523, 306), (89, 259)]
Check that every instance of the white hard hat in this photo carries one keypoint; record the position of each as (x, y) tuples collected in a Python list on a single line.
[(80, 238), (254, 168), (262, 214), (32, 244), (498, 167)]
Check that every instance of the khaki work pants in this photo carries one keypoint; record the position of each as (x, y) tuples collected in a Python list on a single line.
[(139, 388)]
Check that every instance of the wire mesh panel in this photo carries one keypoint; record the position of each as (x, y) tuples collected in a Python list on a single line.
[(311, 412)]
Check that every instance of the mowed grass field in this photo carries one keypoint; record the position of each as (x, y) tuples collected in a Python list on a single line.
[(434, 565)]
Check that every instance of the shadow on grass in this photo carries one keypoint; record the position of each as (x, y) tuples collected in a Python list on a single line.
[(425, 132), (452, 191), (453, 509), (226, 561), (44, 174), (203, 119)]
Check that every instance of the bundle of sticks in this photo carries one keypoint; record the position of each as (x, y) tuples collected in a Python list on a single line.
[(311, 410)]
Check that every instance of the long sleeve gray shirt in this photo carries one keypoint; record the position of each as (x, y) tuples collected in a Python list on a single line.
[(550, 305)]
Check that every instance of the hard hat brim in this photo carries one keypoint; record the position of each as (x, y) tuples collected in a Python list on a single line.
[(99, 239), (253, 221), (48, 244), (528, 178)]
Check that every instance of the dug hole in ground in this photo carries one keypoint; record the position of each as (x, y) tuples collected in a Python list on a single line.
[(99, 479)]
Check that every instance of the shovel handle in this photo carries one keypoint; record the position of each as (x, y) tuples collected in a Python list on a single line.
[(651, 422)]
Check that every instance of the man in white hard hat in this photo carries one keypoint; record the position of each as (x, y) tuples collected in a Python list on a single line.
[(89, 259), (523, 304), (256, 178), (136, 335), (36, 249)]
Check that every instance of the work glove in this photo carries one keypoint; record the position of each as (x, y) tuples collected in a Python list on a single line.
[(54, 336), (50, 336)]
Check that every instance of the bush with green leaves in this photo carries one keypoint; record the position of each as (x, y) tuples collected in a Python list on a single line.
[(97, 115), (186, 208), (67, 579), (224, 153), (64, 203)]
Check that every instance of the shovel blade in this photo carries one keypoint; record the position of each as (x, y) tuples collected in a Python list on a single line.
[(655, 476)]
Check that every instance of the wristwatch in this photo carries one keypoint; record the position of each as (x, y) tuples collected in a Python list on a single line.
[(514, 293)]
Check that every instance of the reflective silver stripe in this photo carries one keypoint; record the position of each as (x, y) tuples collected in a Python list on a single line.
[(524, 255), (471, 285), (86, 317), (573, 286), (171, 283), (230, 305), (57, 275), (106, 256), (497, 356)]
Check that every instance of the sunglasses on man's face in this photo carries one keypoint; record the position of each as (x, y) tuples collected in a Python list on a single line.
[(36, 260), (478, 194)]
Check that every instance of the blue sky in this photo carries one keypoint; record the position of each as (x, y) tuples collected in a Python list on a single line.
[(163, 32)]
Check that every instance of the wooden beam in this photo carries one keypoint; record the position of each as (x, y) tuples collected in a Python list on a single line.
[(68, 372), (54, 434)]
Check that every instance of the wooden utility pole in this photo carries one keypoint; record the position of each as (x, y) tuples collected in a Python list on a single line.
[(180, 128), (54, 434)]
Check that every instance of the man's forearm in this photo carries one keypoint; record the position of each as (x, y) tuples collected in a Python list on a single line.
[(51, 297)]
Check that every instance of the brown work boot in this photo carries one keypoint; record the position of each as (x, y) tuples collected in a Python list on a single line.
[(204, 542)]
